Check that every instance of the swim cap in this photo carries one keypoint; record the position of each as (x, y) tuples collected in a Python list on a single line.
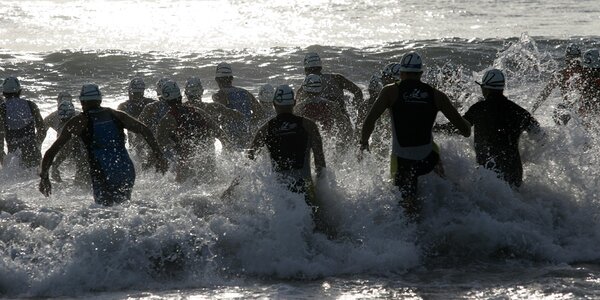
[(591, 59), (573, 50), (170, 91), (492, 79), (392, 71), (411, 63), (224, 70), (64, 96), (193, 87), (159, 84), (136, 85), (266, 92), (375, 83), (312, 60), (66, 110), (90, 92), (11, 85), (284, 95), (312, 83)]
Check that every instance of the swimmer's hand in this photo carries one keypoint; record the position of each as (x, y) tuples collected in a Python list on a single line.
[(45, 186)]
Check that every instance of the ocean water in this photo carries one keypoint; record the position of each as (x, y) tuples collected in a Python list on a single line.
[(479, 239)]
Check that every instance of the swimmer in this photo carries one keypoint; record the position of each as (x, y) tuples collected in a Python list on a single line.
[(21, 125), (102, 131), (413, 106)]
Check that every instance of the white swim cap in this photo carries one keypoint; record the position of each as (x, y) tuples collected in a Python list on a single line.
[(375, 83), (312, 83), (193, 87), (11, 85), (64, 96), (573, 50), (159, 84), (90, 92), (312, 60), (170, 91), (411, 62), (266, 92), (66, 110), (136, 85), (591, 59), (492, 79), (224, 70), (392, 70), (284, 96)]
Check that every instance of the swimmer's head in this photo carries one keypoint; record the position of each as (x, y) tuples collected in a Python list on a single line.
[(64, 96), (266, 93), (66, 110), (573, 51), (159, 85), (375, 84), (591, 59), (223, 70), (312, 84), (312, 63), (411, 62), (390, 73), (492, 79), (11, 86), (90, 96), (194, 89), (284, 96), (136, 86), (171, 92)]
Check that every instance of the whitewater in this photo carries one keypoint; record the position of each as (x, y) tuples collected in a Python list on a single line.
[(478, 237)]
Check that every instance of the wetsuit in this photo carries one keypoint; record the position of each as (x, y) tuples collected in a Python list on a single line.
[(135, 108), (288, 143), (111, 169), (413, 115), (239, 99), (191, 138), (19, 124), (319, 110), (498, 124)]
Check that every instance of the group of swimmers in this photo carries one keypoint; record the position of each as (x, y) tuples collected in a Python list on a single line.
[(172, 132)]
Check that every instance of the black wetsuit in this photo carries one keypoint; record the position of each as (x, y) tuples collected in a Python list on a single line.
[(111, 169), (287, 141), (135, 108), (20, 132), (498, 124), (413, 115)]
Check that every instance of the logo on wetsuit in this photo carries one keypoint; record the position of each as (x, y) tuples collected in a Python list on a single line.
[(415, 96), (287, 128)]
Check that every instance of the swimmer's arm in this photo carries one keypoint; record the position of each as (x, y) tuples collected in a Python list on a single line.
[(258, 142), (146, 115), (445, 106), (130, 123), (381, 104), (40, 127), (346, 84), (316, 143), (258, 113), (343, 123), (546, 91)]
